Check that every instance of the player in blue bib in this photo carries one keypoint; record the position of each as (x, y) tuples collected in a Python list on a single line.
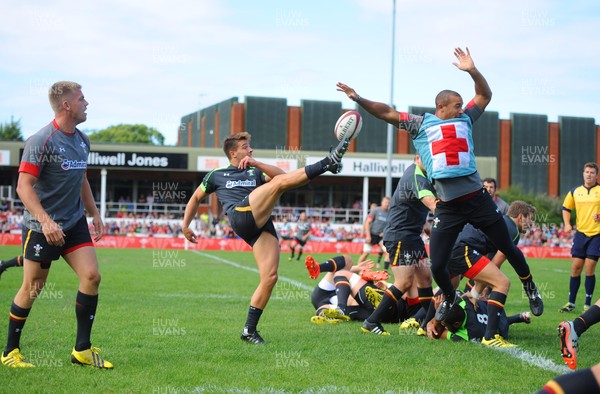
[(445, 143)]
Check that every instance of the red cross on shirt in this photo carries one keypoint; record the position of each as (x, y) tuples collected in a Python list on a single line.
[(450, 145)]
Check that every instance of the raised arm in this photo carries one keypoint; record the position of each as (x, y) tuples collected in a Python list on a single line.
[(379, 110), (483, 93)]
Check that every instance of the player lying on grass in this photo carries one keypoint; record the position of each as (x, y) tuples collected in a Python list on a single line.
[(570, 331), (335, 264), (365, 294), (468, 321), (401, 311), (343, 294)]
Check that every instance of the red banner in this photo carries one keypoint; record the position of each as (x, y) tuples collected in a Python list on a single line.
[(121, 242)]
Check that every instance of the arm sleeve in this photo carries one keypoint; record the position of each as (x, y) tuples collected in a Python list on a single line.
[(473, 111), (34, 156), (411, 123), (424, 187), (207, 186), (569, 202)]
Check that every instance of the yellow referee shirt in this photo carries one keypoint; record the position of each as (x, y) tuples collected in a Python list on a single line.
[(586, 202)]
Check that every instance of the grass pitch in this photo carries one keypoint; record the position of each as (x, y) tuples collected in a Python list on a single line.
[(170, 322)]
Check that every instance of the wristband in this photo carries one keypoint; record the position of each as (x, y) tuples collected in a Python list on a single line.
[(357, 99)]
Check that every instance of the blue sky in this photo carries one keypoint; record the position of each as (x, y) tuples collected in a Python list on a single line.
[(154, 61)]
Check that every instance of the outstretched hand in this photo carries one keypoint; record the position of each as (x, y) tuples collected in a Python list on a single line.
[(351, 93), (465, 62)]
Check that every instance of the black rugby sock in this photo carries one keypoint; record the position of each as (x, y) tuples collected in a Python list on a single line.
[(316, 169), (16, 322), (342, 290), (495, 306), (390, 297), (587, 319), (590, 284), (582, 381), (574, 284), (85, 311), (425, 296), (252, 319), (14, 262)]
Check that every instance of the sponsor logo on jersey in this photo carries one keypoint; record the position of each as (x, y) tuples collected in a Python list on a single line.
[(74, 164), (246, 183)]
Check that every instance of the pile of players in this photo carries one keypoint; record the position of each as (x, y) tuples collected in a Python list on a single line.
[(410, 298)]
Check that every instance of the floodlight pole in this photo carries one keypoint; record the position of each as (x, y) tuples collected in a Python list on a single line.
[(390, 128), (103, 173)]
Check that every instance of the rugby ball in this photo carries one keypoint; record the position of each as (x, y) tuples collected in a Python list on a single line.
[(350, 124)]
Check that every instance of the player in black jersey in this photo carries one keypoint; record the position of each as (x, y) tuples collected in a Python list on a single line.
[(248, 190), (412, 200)]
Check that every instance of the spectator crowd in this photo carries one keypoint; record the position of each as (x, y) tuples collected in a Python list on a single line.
[(126, 222)]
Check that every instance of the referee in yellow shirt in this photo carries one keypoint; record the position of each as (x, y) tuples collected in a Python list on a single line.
[(585, 199)]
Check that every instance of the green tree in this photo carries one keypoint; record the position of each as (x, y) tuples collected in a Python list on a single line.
[(549, 209), (11, 131), (128, 133)]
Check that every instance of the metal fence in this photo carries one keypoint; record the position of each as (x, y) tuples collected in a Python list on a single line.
[(176, 211)]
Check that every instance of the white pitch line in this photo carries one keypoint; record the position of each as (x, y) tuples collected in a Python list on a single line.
[(203, 296), (535, 360), (251, 269), (554, 270), (523, 355)]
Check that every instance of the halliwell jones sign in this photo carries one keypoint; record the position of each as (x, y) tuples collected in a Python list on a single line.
[(138, 160), (148, 160)]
